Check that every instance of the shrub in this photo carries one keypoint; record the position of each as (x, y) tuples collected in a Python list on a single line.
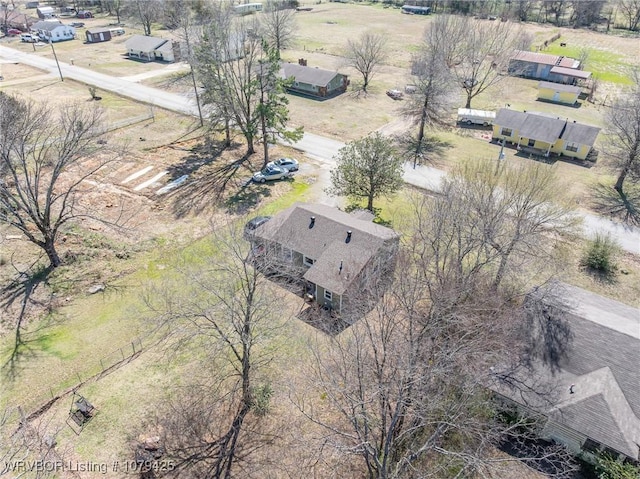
[(601, 254)]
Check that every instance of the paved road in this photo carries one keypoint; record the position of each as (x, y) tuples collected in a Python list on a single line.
[(320, 148)]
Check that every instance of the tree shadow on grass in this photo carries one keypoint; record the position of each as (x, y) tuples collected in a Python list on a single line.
[(21, 290), (210, 178), (625, 206), (428, 152)]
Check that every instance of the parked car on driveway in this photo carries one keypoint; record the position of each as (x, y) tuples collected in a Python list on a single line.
[(77, 24), (271, 173), (29, 38), (14, 31), (253, 224), (288, 164)]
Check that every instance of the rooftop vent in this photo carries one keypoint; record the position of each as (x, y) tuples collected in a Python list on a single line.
[(313, 222), (348, 237)]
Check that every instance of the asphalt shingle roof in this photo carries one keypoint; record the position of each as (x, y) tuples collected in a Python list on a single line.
[(144, 43), (581, 134), (327, 241), (601, 362), (310, 75)]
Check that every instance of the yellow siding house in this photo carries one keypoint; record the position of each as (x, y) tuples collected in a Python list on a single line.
[(544, 135)]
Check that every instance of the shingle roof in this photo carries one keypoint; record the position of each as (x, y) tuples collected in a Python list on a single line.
[(570, 72), (48, 25), (144, 43), (559, 87), (542, 128), (312, 76), (599, 409), (327, 241), (546, 128), (581, 134), (601, 362), (510, 118)]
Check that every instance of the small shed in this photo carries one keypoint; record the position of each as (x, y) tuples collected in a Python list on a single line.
[(97, 35), (45, 12), (32, 4), (558, 92)]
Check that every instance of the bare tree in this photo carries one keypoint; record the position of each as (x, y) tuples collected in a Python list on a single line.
[(367, 169), (477, 52), (366, 55), (226, 312), (630, 9), (278, 24), (147, 11), (433, 96), (40, 179), (624, 141), (519, 210), (408, 382)]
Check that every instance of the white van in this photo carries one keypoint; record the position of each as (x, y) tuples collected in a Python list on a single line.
[(476, 117), (116, 31), (29, 38)]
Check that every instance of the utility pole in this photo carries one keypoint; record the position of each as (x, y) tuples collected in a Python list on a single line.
[(56, 57), (501, 157)]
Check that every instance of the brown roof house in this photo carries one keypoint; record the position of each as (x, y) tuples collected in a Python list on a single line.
[(339, 260), (97, 35), (312, 81), (542, 134), (586, 364), (542, 66)]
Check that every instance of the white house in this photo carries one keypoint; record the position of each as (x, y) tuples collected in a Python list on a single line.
[(53, 31), (150, 48)]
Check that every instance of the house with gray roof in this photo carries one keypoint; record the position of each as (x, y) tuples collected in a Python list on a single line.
[(593, 380), (147, 48), (544, 134), (312, 81), (337, 259)]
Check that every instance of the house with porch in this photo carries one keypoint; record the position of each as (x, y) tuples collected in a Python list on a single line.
[(544, 135), (146, 48), (583, 383), (311, 81), (339, 260)]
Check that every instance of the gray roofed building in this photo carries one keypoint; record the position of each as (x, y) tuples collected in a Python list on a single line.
[(543, 128), (149, 48), (329, 250), (544, 134), (570, 72), (581, 134), (596, 380), (313, 81)]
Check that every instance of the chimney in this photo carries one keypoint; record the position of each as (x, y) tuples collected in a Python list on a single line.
[(348, 237), (340, 269), (313, 222)]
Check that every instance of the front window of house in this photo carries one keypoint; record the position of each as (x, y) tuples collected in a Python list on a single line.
[(531, 143), (506, 132), (328, 295), (571, 146), (307, 261)]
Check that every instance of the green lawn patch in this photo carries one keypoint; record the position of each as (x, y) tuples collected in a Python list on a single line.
[(605, 65)]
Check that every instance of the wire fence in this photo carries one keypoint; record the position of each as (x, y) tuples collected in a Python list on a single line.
[(116, 125), (42, 399)]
